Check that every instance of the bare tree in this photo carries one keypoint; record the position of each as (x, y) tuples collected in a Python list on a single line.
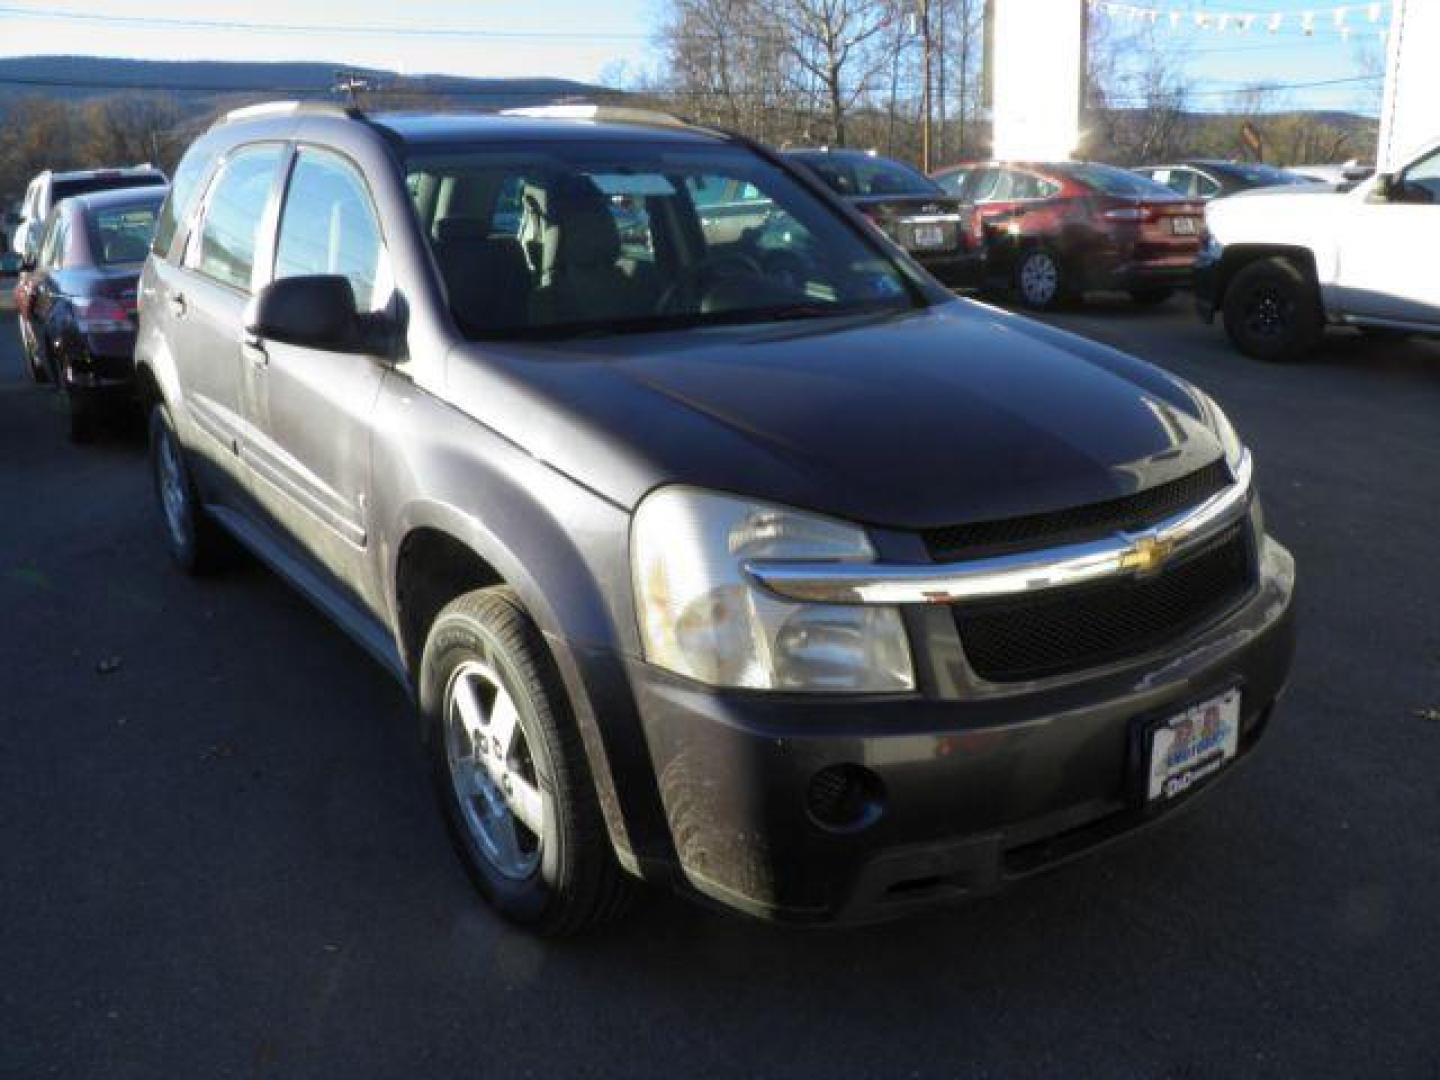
[(833, 42)]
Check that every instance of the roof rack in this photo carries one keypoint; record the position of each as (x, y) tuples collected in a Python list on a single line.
[(582, 110), (288, 108)]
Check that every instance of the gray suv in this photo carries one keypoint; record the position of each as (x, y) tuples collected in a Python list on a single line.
[(747, 560)]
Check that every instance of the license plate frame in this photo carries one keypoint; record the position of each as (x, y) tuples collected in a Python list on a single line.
[(927, 237), (1183, 749), (1184, 226)]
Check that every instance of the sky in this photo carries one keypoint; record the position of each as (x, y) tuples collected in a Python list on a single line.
[(594, 41)]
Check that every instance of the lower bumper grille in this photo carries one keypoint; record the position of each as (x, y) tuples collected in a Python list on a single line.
[(1071, 630)]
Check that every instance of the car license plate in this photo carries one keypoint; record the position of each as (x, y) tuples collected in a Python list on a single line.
[(1192, 746), (929, 236), (1183, 226)]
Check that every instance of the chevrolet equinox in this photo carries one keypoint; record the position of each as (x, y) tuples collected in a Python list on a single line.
[(743, 559)]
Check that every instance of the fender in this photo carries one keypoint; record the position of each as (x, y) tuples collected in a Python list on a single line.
[(437, 468)]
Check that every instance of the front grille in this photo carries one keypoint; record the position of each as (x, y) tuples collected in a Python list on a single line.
[(1067, 630), (1129, 512)]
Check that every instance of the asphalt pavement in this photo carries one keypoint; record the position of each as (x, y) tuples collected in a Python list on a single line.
[(222, 859)]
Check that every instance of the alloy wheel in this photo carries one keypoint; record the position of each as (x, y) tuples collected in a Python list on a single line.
[(174, 498), (492, 770), (1039, 278)]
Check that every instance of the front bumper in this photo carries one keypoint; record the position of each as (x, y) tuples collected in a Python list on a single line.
[(977, 791)]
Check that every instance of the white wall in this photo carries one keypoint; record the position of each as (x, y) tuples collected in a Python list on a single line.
[(1036, 58), (1409, 118)]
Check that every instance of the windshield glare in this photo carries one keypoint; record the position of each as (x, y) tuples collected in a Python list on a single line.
[(554, 239)]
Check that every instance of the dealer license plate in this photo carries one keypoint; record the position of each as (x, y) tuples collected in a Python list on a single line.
[(1193, 745), (929, 236), (1183, 226)]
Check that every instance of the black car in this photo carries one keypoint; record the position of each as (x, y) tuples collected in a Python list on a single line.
[(803, 586), (906, 205), (77, 304), (1205, 178)]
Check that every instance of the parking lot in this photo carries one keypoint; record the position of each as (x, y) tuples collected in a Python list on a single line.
[(223, 859)]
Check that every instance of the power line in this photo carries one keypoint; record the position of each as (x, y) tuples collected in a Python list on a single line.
[(231, 25)]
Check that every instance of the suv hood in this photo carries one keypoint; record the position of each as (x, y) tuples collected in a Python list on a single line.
[(939, 416)]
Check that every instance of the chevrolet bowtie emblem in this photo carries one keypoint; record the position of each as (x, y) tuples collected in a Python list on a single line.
[(1147, 554)]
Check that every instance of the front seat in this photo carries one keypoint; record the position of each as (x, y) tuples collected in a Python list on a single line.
[(486, 277), (581, 277)]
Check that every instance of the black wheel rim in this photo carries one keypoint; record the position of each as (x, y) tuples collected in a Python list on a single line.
[(1269, 313)]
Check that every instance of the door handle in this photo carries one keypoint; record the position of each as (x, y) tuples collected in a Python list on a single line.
[(177, 305), (254, 350)]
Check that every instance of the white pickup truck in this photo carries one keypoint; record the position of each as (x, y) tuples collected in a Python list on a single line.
[(1280, 265)]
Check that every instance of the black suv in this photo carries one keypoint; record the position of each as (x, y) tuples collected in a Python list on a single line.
[(798, 584)]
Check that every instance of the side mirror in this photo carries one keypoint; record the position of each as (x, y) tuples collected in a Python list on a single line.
[(315, 312), (1384, 189)]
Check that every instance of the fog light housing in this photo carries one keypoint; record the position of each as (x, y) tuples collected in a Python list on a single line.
[(845, 798)]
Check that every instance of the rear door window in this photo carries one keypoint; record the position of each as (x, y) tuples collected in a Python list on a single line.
[(233, 216)]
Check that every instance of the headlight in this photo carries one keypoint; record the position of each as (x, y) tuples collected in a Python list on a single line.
[(1219, 423), (701, 616)]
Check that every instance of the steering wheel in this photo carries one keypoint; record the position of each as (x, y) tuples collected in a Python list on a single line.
[(691, 283)]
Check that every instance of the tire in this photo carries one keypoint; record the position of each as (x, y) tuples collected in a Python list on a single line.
[(521, 810), (1040, 279), (1272, 311), (1152, 296), (83, 418), (195, 542)]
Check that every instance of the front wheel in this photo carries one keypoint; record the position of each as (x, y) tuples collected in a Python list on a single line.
[(1272, 311), (1040, 279), (510, 771)]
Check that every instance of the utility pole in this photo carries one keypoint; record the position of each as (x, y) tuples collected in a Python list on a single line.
[(925, 91)]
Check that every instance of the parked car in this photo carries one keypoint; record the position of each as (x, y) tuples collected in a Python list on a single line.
[(1279, 269), (1210, 179), (1052, 231), (48, 188), (76, 302), (905, 204), (828, 599), (1343, 176)]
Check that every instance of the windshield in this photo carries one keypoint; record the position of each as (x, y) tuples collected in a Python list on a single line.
[(1109, 180), (84, 185), (121, 234), (557, 239)]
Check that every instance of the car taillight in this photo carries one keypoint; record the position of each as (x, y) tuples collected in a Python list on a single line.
[(101, 315), (1129, 213)]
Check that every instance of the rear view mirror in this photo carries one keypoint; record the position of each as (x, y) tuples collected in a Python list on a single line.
[(315, 312)]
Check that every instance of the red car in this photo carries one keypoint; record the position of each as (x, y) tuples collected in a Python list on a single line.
[(1053, 230)]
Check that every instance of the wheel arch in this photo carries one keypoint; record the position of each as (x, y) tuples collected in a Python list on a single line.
[(1239, 256), (442, 552)]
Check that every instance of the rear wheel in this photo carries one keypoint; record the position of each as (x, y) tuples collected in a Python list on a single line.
[(1272, 310), (194, 540), (1152, 296), (510, 771), (34, 365), (1040, 279)]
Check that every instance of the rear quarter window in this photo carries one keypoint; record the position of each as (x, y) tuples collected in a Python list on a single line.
[(191, 171)]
